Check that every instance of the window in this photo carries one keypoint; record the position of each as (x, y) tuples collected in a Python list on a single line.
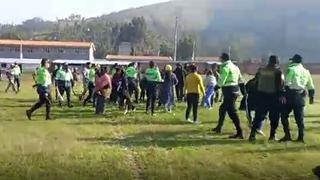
[(30, 50), (47, 50), (77, 51), (61, 50), (17, 49)]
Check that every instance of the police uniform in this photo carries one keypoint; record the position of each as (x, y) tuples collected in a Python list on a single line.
[(43, 82), (17, 75), (91, 85), (153, 77), (229, 81), (64, 79), (132, 74), (269, 86), (297, 81)]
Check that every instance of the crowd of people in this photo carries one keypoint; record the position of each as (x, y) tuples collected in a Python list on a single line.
[(272, 92)]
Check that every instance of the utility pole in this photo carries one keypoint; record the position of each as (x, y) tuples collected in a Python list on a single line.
[(193, 51), (175, 40)]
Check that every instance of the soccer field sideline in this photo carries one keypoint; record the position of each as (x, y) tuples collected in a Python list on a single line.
[(79, 145)]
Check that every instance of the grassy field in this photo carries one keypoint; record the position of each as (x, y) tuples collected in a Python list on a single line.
[(79, 145)]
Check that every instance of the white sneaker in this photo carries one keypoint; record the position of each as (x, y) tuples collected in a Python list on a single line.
[(189, 120), (197, 122), (260, 132)]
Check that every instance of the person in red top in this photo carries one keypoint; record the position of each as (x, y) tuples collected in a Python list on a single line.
[(103, 83)]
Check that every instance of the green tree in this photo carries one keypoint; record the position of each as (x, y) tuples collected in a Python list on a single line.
[(185, 48)]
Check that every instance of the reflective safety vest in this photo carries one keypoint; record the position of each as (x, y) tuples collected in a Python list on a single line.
[(43, 77), (230, 75), (298, 78), (153, 74)]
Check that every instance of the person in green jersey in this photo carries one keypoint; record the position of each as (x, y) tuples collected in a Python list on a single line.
[(65, 78), (153, 77), (298, 82), (132, 76), (230, 82), (43, 82)]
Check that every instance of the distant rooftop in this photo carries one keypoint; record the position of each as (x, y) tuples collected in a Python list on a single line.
[(137, 58), (46, 43)]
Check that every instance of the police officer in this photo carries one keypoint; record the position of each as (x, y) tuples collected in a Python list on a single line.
[(132, 75), (153, 77), (91, 85), (269, 85), (64, 78), (231, 82), (297, 81), (17, 75), (43, 82)]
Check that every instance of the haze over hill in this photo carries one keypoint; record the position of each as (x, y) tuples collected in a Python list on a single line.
[(253, 28)]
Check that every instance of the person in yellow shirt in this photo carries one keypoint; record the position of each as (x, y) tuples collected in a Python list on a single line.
[(193, 89)]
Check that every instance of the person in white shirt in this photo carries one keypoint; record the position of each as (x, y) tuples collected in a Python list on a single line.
[(210, 83)]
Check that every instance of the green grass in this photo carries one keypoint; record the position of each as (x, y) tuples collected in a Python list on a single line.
[(80, 145)]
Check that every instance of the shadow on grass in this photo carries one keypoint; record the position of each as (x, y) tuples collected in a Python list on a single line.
[(165, 139), (300, 147)]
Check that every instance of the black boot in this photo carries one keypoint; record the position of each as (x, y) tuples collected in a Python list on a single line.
[(273, 135), (252, 137), (236, 136), (300, 136), (216, 130), (287, 136)]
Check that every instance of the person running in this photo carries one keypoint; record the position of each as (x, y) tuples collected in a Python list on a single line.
[(231, 82), (132, 75), (17, 75), (167, 89), (91, 85), (193, 89), (43, 82), (153, 77), (298, 81), (103, 83), (65, 81), (210, 83), (10, 77)]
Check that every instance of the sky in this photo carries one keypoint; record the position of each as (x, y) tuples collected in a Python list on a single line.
[(16, 11)]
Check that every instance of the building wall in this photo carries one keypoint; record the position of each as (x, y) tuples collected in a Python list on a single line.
[(45, 52)]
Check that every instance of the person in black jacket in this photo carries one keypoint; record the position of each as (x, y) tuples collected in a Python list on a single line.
[(270, 86), (123, 91), (180, 74)]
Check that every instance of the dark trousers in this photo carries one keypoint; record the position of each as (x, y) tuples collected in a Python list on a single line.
[(65, 89), (229, 106), (266, 103), (17, 82), (295, 103), (113, 95), (100, 106), (179, 92), (44, 98), (192, 104), (151, 88), (133, 88), (125, 101), (90, 94)]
